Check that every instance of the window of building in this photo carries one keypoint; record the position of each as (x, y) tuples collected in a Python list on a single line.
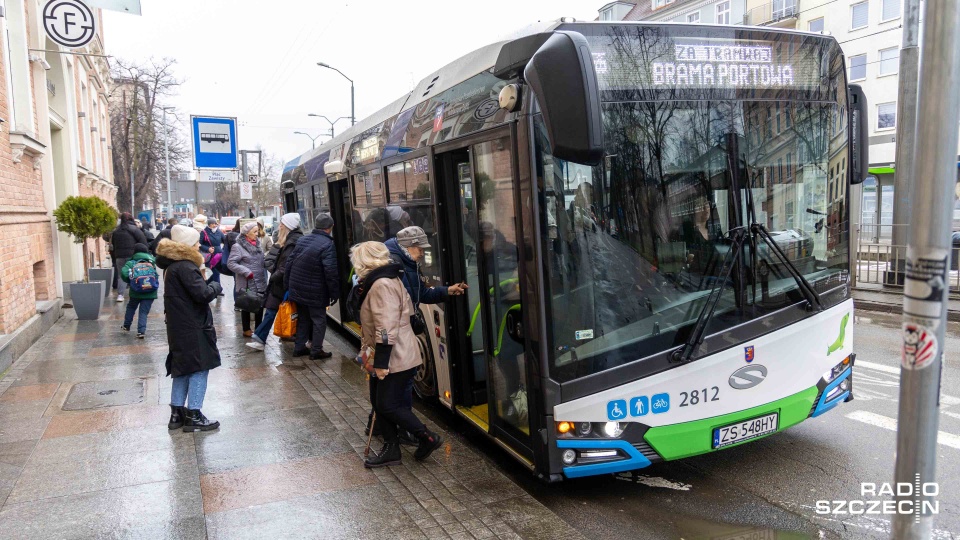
[(815, 25), (11, 98), (660, 3), (858, 67), (859, 15), (18, 67), (778, 117), (784, 8), (886, 115), (693, 17), (889, 61), (889, 10), (723, 12), (606, 14)]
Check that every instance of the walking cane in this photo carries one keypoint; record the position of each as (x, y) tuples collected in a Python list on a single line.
[(373, 422)]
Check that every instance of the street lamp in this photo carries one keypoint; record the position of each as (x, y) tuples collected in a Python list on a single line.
[(353, 114), (313, 140), (329, 121), (166, 162)]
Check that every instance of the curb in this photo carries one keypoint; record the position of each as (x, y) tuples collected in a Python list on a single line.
[(885, 307)]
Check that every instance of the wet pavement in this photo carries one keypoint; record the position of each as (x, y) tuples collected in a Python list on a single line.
[(85, 452)]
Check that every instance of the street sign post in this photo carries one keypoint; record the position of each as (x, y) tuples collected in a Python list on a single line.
[(214, 142)]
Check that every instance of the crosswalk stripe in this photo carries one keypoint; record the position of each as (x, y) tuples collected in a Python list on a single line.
[(944, 399), (885, 422)]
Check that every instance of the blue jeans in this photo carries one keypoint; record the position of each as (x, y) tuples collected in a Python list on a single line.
[(263, 331), (145, 305), (194, 385)]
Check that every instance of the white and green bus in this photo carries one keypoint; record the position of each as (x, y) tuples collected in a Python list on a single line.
[(653, 222)]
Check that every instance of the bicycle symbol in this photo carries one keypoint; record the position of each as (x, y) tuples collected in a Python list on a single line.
[(616, 409), (660, 403)]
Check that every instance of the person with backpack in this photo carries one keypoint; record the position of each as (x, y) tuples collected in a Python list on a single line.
[(191, 336), (246, 262), (122, 240), (140, 273), (275, 263), (312, 277), (211, 247), (390, 352)]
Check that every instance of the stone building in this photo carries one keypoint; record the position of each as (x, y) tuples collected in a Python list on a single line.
[(54, 143)]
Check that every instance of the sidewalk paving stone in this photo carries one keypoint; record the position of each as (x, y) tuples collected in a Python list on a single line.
[(286, 463)]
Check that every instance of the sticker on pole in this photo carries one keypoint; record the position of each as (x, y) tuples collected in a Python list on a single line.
[(919, 347), (925, 286)]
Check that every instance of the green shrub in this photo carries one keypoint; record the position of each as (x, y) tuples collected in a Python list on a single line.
[(84, 218)]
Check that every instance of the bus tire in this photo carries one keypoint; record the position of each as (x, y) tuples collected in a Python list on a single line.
[(425, 380)]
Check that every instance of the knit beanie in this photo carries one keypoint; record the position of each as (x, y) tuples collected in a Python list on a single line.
[(291, 221), (187, 236)]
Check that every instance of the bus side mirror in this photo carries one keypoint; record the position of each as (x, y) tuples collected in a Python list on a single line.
[(859, 143), (562, 76)]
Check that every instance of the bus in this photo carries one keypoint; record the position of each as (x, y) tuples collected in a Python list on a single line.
[(653, 223)]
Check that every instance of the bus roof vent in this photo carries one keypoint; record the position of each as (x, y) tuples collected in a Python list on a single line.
[(433, 82)]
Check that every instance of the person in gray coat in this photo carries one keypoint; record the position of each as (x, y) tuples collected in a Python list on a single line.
[(246, 263)]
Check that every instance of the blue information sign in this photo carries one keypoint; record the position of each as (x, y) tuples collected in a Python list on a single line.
[(214, 142)]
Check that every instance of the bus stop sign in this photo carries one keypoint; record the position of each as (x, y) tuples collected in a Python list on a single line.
[(214, 142)]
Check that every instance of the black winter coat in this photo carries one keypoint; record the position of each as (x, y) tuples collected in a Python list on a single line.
[(191, 336), (310, 272), (123, 238), (275, 287)]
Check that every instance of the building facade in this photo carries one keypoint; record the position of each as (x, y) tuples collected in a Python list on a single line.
[(54, 143), (688, 11)]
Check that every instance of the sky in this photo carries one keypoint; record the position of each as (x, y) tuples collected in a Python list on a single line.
[(256, 60)]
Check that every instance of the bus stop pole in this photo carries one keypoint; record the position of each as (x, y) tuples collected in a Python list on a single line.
[(934, 175), (906, 128)]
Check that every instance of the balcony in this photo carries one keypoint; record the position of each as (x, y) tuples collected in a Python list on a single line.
[(780, 13)]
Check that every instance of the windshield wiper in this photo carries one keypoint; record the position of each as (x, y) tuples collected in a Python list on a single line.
[(811, 295), (684, 353)]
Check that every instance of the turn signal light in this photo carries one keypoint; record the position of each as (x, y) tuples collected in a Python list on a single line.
[(564, 427), (446, 395)]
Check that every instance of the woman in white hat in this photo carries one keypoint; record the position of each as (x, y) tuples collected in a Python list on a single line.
[(275, 261), (191, 337)]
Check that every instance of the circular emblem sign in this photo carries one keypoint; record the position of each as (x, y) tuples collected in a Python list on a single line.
[(69, 22)]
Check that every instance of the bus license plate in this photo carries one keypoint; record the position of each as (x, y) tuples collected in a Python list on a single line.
[(745, 430)]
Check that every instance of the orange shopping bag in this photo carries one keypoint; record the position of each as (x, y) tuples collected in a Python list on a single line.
[(285, 326)]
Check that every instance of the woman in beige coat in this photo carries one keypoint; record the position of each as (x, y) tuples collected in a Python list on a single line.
[(390, 351)]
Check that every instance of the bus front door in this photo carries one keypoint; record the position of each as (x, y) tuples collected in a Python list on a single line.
[(490, 261)]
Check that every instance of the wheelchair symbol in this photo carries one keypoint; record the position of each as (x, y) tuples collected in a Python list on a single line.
[(617, 409)]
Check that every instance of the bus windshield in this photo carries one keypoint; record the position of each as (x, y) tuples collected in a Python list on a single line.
[(634, 246)]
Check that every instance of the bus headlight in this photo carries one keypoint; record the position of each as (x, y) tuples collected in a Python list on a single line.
[(584, 428), (569, 456), (612, 429), (836, 370)]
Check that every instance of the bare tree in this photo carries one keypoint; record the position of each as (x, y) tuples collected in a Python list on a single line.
[(136, 108)]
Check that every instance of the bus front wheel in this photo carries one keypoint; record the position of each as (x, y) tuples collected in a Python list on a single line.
[(425, 380)]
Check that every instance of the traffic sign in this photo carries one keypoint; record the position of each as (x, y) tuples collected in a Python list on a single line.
[(212, 175), (246, 190), (254, 178), (214, 142), (69, 22)]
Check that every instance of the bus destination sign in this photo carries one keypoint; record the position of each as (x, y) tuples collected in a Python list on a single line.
[(722, 65), (687, 63)]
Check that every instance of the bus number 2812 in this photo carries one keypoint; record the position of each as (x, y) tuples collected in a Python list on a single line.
[(696, 397)]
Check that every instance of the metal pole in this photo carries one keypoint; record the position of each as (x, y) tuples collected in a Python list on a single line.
[(928, 259), (353, 114), (243, 157), (166, 159), (906, 122)]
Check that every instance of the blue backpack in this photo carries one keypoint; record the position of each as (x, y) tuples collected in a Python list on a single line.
[(143, 277)]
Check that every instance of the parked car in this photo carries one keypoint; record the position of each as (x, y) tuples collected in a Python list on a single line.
[(268, 223), (186, 222), (227, 223)]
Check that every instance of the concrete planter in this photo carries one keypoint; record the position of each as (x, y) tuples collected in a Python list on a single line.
[(87, 299), (102, 274)]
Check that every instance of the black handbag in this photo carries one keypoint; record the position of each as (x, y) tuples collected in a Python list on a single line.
[(249, 300), (417, 323)]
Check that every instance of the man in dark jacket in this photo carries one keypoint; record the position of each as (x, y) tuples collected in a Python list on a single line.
[(408, 249), (310, 274), (211, 243), (191, 336), (165, 233), (123, 238)]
